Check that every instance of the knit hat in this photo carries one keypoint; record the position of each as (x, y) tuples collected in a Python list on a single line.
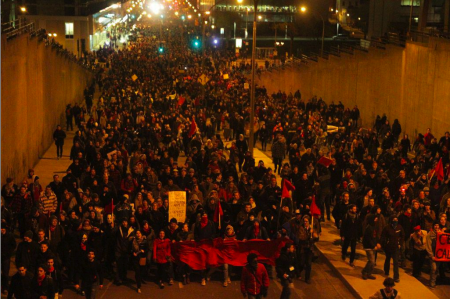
[(28, 234)]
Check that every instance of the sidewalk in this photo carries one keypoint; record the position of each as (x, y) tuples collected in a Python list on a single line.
[(329, 247)]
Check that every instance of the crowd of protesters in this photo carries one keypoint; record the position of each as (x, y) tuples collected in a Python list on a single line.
[(109, 212)]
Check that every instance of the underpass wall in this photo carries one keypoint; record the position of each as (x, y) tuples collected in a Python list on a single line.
[(37, 84), (411, 84)]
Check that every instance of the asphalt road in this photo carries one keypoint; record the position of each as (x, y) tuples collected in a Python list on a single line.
[(324, 284)]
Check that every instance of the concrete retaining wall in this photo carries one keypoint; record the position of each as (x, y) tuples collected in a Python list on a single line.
[(37, 84), (411, 84)]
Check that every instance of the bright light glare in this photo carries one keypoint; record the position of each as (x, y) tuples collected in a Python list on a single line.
[(23, 9), (155, 7), (176, 13), (303, 9), (260, 17), (189, 17), (239, 1), (216, 41)]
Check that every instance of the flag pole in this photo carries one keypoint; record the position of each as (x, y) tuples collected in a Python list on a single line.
[(219, 217)]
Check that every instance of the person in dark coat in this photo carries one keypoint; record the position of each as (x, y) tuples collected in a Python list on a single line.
[(349, 233), (91, 275), (21, 284), (124, 237), (59, 135), (27, 252), (8, 247), (286, 266), (42, 285), (371, 245), (56, 274), (391, 238)]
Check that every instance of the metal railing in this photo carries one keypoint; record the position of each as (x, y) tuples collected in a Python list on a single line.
[(13, 31)]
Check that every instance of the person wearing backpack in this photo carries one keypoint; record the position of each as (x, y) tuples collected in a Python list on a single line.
[(254, 279)]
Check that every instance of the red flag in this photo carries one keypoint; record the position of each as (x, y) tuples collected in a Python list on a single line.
[(109, 209), (193, 128), (439, 170), (181, 101), (287, 186), (218, 212), (60, 207), (325, 161), (314, 209)]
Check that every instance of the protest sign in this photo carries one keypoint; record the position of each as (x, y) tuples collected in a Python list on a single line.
[(442, 253), (177, 205)]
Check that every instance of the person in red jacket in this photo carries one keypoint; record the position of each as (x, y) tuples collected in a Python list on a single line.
[(254, 280), (162, 256)]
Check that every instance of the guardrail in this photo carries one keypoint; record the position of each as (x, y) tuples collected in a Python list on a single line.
[(12, 31)]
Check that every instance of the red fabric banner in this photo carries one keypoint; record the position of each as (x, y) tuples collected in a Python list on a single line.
[(314, 209), (442, 253), (193, 128), (439, 170), (325, 161), (214, 253), (287, 186), (218, 213)]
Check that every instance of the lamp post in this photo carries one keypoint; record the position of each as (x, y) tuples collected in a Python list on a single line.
[(303, 10), (252, 88)]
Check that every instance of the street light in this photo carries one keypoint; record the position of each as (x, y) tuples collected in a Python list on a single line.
[(23, 9), (303, 9)]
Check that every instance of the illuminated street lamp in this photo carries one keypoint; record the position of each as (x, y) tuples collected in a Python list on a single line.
[(252, 88), (303, 9), (23, 9)]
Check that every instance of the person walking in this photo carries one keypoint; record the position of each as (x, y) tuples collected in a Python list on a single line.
[(59, 135), (286, 266), (254, 279), (278, 152), (436, 267), (391, 238), (91, 275), (349, 233), (21, 284), (371, 245), (307, 236), (419, 238), (161, 256), (139, 257)]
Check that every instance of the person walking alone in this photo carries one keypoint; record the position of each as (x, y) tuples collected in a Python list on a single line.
[(254, 279), (59, 135)]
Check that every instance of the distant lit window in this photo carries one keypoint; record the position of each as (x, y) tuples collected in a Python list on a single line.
[(408, 2), (69, 30)]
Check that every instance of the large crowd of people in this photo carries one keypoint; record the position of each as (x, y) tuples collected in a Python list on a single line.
[(152, 128)]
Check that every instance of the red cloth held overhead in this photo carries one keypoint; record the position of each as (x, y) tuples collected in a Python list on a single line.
[(325, 161), (218, 212), (439, 171), (193, 128), (314, 209), (287, 186)]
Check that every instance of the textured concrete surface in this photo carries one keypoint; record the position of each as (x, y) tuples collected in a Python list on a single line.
[(411, 84), (37, 84)]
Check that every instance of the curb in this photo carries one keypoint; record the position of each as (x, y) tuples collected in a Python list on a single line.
[(339, 275)]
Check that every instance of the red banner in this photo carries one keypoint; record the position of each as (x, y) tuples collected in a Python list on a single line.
[(214, 253), (442, 253)]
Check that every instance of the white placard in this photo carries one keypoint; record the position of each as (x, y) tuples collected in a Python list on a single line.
[(177, 205)]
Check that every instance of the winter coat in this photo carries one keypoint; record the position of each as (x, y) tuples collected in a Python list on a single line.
[(278, 150), (161, 250), (253, 281), (350, 227), (391, 238)]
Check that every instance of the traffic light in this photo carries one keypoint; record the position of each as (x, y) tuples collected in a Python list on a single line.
[(161, 50)]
